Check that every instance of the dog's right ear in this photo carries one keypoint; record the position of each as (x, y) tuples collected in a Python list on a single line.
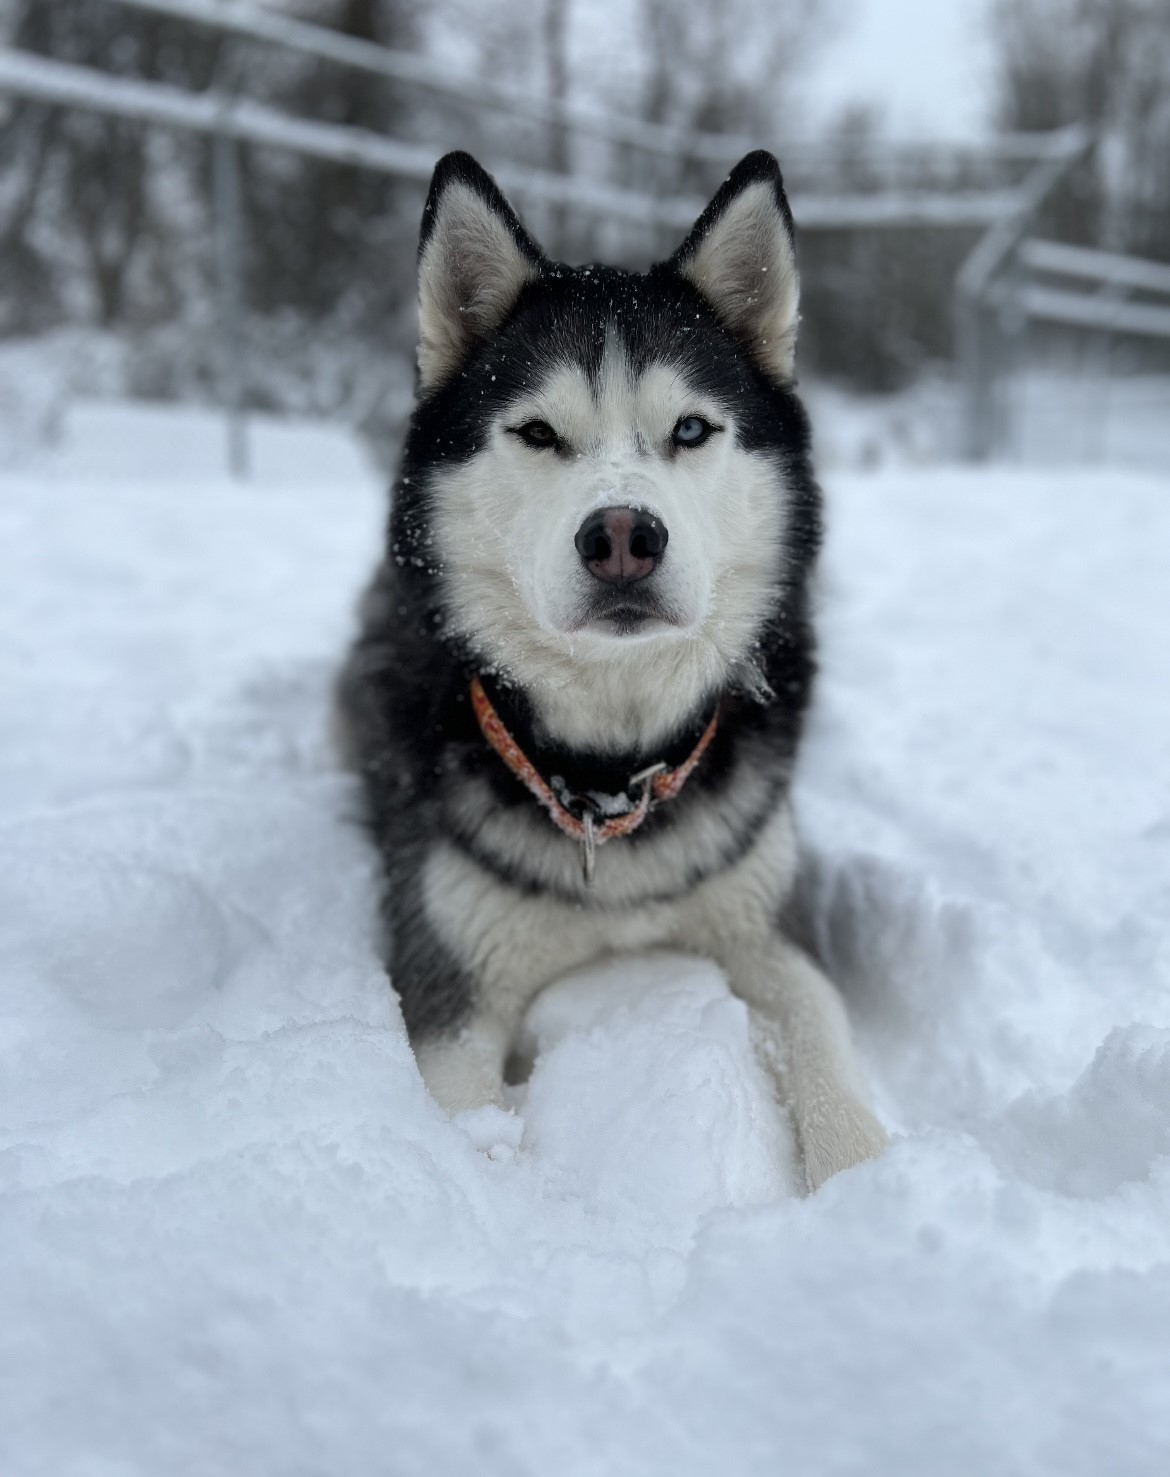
[(474, 257)]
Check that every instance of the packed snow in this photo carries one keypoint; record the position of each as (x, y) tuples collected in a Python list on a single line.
[(237, 1237)]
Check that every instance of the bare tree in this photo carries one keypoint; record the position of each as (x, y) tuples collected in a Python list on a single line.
[(556, 52), (1104, 64), (83, 205), (729, 67), (724, 68)]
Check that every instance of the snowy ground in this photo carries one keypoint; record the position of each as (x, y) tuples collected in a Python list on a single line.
[(236, 1237)]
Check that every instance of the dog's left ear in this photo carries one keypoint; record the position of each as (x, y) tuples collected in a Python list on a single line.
[(741, 255), (474, 258)]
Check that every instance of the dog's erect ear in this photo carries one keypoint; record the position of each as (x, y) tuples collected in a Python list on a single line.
[(741, 256), (474, 256)]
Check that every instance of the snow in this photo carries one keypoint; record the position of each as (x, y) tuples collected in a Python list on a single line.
[(179, 443), (237, 1236)]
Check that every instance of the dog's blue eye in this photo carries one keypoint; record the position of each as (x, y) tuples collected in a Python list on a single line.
[(537, 433), (692, 430)]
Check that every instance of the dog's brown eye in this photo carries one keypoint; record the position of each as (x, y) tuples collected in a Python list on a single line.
[(692, 430), (536, 433)]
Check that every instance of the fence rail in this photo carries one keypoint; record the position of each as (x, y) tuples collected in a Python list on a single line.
[(1072, 287), (1081, 310), (1055, 259), (215, 112), (248, 21), (253, 22), (1101, 302)]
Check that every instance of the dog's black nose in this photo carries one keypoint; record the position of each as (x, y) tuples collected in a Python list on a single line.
[(621, 545)]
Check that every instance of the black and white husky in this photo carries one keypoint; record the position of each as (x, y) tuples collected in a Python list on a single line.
[(586, 656)]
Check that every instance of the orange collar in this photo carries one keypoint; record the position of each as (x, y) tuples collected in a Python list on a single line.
[(657, 783)]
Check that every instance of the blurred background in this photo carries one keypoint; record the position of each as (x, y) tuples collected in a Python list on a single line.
[(212, 205)]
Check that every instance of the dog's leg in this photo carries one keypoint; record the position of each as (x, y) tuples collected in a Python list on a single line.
[(459, 1027), (470, 956), (465, 1068), (802, 1035)]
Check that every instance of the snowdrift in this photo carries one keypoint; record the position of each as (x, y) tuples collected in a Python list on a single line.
[(235, 1235)]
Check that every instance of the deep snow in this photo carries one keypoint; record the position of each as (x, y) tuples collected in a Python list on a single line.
[(236, 1237)]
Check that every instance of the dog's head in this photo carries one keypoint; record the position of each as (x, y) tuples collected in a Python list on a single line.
[(610, 457)]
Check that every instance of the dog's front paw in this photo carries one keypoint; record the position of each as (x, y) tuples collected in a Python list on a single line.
[(850, 1136), (461, 1073), (494, 1131)]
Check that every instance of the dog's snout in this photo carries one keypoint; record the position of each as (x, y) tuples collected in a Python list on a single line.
[(621, 545)]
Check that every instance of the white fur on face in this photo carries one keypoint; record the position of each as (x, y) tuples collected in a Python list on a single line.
[(514, 583), (745, 267)]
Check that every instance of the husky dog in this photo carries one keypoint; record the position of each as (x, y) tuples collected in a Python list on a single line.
[(585, 658)]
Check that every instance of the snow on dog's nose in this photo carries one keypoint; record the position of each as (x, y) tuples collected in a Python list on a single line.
[(621, 545)]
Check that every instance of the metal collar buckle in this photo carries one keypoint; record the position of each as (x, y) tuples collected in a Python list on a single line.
[(644, 777)]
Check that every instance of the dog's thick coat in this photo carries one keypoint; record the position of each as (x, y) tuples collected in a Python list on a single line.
[(549, 396)]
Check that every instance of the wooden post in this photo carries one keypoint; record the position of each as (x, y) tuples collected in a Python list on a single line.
[(229, 244), (976, 327)]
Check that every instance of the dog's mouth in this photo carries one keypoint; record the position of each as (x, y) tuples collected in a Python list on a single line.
[(628, 611)]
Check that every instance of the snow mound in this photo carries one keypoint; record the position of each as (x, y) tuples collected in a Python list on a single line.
[(1111, 1129), (237, 1235), (646, 1096)]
